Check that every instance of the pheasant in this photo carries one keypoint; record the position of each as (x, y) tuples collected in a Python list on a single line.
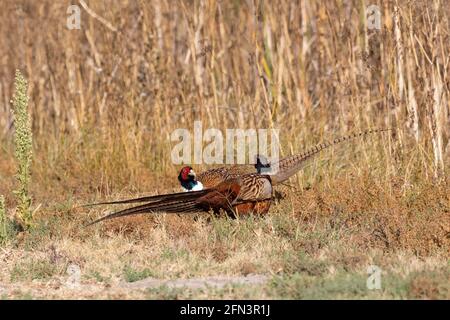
[(287, 167), (226, 189)]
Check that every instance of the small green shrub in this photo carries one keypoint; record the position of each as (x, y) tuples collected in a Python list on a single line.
[(3, 221), (7, 228), (34, 269), (133, 275), (23, 149)]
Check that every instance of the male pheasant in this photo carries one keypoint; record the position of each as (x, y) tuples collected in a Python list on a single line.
[(226, 189)]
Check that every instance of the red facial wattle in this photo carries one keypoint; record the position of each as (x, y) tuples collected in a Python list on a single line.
[(185, 173)]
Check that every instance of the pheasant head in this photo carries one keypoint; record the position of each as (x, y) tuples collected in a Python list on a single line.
[(188, 181)]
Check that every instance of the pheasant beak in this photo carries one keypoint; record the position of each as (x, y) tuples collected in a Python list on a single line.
[(191, 173)]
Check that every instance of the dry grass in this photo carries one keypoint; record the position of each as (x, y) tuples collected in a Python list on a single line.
[(104, 103)]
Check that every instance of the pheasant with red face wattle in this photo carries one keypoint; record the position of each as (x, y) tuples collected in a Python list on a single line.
[(225, 188)]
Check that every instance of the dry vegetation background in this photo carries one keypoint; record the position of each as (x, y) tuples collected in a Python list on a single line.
[(104, 100)]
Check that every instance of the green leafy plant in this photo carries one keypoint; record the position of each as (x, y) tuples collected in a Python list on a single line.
[(133, 275), (7, 227), (23, 149), (3, 221)]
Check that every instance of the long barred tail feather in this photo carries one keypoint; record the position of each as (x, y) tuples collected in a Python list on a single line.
[(177, 204), (185, 207), (147, 199), (289, 166)]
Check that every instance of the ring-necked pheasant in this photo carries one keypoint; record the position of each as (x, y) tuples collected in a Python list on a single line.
[(231, 191)]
